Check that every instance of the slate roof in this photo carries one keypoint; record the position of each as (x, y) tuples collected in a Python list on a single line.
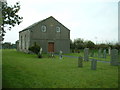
[(40, 22)]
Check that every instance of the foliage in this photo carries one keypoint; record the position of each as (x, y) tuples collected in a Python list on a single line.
[(79, 43), (21, 70), (117, 46), (39, 55), (35, 48), (89, 44), (10, 17), (8, 45)]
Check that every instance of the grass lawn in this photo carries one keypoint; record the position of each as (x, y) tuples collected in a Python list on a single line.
[(95, 57), (22, 70)]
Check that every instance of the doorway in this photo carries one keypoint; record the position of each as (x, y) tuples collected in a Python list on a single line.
[(50, 46)]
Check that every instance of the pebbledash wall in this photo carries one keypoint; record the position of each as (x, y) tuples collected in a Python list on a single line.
[(49, 33)]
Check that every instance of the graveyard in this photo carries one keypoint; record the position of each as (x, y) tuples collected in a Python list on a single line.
[(66, 44), (21, 70)]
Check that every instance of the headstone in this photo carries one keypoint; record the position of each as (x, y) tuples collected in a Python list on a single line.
[(93, 64), (80, 61), (60, 54), (40, 50), (99, 53), (51, 55), (114, 57), (104, 53), (40, 53), (92, 54), (109, 50), (86, 54)]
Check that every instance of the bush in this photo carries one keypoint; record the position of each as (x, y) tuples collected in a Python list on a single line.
[(35, 49), (39, 55)]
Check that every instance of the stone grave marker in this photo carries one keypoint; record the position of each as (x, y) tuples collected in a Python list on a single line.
[(104, 53), (93, 64), (60, 54), (114, 57), (51, 55), (86, 54), (92, 54), (40, 53), (80, 61), (99, 53), (109, 50)]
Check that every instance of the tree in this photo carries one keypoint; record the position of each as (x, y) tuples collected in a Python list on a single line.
[(72, 45), (6, 45), (79, 43), (89, 44), (9, 17)]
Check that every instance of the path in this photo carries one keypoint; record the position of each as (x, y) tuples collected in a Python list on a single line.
[(77, 57)]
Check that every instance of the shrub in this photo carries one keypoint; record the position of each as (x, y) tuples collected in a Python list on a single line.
[(39, 55), (35, 48)]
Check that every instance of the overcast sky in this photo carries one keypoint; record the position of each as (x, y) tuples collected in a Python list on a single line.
[(95, 20)]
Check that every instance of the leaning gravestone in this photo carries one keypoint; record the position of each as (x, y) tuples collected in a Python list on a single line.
[(104, 53), (93, 64), (99, 53), (40, 53), (114, 57), (86, 54), (80, 61)]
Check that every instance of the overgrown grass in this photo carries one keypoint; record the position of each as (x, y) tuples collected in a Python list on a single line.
[(22, 70)]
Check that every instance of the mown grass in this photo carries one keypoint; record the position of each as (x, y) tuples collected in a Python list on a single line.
[(22, 70), (94, 57)]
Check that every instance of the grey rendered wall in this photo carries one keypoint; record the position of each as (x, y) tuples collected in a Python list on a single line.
[(41, 43), (25, 42), (51, 30), (63, 45)]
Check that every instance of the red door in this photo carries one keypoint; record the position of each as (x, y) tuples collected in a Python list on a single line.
[(51, 47)]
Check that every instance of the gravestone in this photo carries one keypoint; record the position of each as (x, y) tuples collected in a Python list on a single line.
[(114, 57), (104, 53), (86, 54), (109, 50), (51, 55), (92, 54), (93, 64), (40, 53), (60, 54), (99, 53), (80, 61)]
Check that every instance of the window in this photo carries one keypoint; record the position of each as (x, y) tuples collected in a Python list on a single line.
[(21, 42), (57, 29), (25, 41), (43, 28)]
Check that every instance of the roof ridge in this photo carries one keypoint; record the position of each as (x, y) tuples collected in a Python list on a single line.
[(36, 23)]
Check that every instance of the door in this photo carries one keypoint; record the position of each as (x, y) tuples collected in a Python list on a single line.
[(51, 47)]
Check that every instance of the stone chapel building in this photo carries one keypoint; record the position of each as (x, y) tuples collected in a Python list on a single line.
[(49, 33)]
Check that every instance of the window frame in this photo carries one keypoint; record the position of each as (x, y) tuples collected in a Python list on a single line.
[(58, 29), (43, 28)]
